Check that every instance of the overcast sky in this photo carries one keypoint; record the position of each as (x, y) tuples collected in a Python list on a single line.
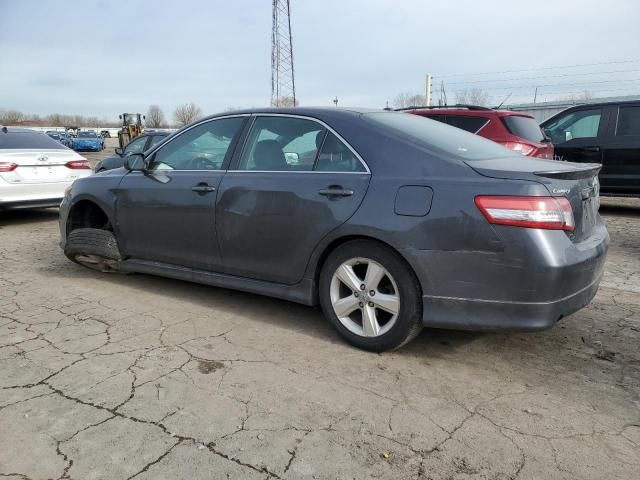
[(105, 57)]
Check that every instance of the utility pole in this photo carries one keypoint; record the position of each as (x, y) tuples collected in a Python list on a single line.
[(283, 86), (427, 96), (535, 95)]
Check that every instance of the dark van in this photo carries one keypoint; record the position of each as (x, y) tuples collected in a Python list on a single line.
[(606, 133)]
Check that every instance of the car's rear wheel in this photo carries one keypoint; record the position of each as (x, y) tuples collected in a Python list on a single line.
[(94, 248), (371, 296)]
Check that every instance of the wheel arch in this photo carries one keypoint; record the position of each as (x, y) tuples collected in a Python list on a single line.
[(86, 212), (323, 253)]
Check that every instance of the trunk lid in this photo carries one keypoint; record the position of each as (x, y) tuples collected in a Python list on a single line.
[(578, 182), (39, 166)]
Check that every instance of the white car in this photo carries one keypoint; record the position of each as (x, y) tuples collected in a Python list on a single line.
[(35, 169)]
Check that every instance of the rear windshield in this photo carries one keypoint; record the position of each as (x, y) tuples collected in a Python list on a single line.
[(87, 135), (29, 140), (524, 127), (437, 135)]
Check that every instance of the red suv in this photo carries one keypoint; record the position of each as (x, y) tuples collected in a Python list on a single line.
[(514, 130)]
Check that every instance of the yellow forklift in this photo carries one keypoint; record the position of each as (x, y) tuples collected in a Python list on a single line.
[(131, 127)]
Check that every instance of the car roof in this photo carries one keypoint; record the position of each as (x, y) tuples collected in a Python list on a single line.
[(17, 130), (466, 110), (317, 112), (602, 104)]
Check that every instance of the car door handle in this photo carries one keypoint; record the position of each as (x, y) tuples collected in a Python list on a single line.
[(591, 149), (203, 188), (336, 192)]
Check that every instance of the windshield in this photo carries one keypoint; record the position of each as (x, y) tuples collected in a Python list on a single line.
[(524, 127), (29, 140), (87, 135), (130, 119), (436, 135)]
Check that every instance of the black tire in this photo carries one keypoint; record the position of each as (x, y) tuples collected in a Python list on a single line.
[(94, 248), (409, 321)]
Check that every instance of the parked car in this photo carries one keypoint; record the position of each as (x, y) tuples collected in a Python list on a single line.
[(607, 133), (137, 145), (88, 141), (514, 130), (388, 221), (35, 169), (61, 136)]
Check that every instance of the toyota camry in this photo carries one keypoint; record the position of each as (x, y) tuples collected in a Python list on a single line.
[(389, 221)]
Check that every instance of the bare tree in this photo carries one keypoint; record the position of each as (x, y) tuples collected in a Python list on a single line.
[(92, 122), (155, 117), (407, 99), (286, 102), (586, 95), (11, 117), (472, 96), (186, 113)]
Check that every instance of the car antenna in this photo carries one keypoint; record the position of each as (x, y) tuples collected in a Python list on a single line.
[(502, 103)]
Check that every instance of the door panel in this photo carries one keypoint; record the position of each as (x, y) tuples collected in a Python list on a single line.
[(268, 223), (168, 213), (621, 152), (577, 136), (161, 218)]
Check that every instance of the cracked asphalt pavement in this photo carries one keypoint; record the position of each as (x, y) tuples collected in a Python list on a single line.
[(121, 377)]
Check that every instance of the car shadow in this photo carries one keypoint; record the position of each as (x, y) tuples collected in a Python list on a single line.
[(257, 308), (620, 207), (23, 216)]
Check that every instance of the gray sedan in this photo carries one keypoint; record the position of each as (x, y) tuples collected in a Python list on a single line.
[(389, 221)]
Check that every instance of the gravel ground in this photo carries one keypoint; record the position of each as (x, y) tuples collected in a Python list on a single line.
[(119, 377)]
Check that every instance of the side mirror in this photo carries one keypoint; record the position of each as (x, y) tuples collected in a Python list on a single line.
[(136, 163), (119, 151)]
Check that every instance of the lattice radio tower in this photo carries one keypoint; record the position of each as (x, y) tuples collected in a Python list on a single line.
[(283, 86)]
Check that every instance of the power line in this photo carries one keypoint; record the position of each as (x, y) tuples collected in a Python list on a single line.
[(597, 82), (608, 91), (541, 68), (543, 76)]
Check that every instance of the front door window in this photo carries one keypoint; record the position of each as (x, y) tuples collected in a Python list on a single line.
[(578, 124)]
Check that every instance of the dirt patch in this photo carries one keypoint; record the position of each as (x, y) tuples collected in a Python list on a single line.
[(208, 366)]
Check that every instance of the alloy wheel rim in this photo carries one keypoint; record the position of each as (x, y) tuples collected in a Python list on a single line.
[(365, 297), (96, 262)]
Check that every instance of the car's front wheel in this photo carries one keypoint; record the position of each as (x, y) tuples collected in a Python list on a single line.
[(94, 248), (371, 296)]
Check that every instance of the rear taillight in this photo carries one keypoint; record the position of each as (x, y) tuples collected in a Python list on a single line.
[(522, 148), (78, 164), (8, 166), (550, 213)]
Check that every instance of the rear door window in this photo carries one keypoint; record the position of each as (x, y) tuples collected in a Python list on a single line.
[(524, 127), (628, 122), (438, 137), (278, 143), (335, 156), (470, 124)]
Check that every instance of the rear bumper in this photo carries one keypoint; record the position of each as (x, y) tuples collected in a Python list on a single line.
[(538, 277), (34, 195), (494, 315), (40, 203)]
